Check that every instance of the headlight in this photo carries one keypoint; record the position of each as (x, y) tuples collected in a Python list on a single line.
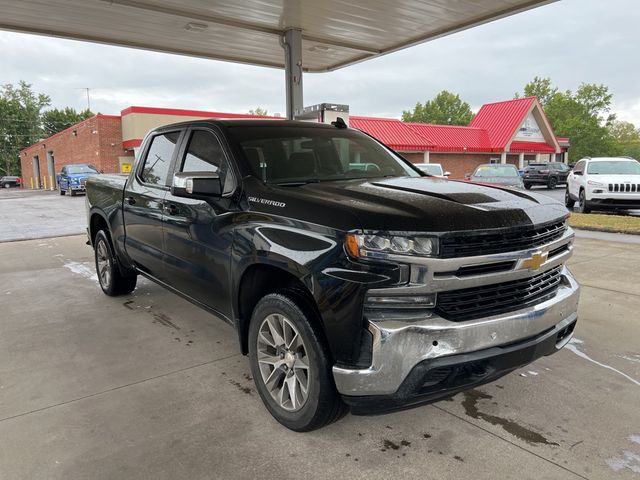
[(75, 181), (380, 246), (595, 184)]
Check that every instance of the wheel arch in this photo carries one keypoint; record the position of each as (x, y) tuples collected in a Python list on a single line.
[(260, 279)]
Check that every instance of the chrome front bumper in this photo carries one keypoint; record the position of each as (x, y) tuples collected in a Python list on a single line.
[(399, 344)]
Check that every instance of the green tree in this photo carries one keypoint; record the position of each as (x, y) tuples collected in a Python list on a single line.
[(258, 111), (56, 120), (541, 88), (445, 108), (20, 123), (627, 137), (584, 116)]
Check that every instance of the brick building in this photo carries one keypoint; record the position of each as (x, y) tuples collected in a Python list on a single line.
[(96, 140), (514, 131)]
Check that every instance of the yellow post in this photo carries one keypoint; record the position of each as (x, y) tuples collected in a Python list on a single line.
[(45, 182), (52, 183), (31, 183)]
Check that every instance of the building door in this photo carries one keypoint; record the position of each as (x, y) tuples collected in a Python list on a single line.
[(51, 170), (36, 172)]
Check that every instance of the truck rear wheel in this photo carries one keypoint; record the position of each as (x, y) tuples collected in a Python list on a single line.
[(112, 282), (291, 366)]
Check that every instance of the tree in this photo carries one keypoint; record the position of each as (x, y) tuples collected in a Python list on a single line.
[(258, 111), (541, 88), (627, 137), (20, 126), (583, 116), (56, 120), (446, 108)]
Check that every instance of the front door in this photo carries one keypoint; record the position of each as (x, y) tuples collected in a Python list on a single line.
[(144, 202), (198, 233)]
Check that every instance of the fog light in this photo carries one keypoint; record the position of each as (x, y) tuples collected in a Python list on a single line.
[(374, 300)]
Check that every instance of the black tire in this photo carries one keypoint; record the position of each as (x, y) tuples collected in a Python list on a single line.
[(62, 192), (72, 192), (323, 404), (568, 201), (583, 205), (552, 183), (112, 282), (527, 186)]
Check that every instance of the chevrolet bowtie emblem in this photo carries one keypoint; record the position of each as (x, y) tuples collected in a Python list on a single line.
[(536, 260)]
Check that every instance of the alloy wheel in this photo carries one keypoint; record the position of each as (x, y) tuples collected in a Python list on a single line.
[(283, 362), (103, 259)]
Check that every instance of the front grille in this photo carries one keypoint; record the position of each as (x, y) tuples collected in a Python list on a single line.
[(491, 242), (624, 187), (478, 302)]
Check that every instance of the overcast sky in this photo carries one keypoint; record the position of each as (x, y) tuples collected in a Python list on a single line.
[(571, 41)]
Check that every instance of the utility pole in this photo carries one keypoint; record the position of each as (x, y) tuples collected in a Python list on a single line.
[(86, 89)]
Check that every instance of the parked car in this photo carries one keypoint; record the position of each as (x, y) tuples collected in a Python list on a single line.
[(369, 289), (607, 183), (550, 174), (434, 169), (73, 178), (9, 181), (502, 174)]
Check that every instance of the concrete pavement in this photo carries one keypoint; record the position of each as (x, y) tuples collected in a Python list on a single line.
[(28, 214), (149, 386)]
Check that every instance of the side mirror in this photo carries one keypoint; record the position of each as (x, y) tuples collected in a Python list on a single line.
[(577, 173), (467, 176), (199, 185), (446, 174)]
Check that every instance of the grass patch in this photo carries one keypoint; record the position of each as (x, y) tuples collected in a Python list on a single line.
[(605, 223)]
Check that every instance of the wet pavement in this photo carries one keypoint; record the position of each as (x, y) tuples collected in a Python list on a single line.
[(149, 386)]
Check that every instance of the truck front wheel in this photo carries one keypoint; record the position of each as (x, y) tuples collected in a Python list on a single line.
[(112, 282), (291, 366)]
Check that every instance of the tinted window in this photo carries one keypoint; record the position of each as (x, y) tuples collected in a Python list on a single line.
[(306, 154), (579, 167), (156, 166), (204, 153)]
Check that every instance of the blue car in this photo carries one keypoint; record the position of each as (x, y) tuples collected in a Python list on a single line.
[(73, 178)]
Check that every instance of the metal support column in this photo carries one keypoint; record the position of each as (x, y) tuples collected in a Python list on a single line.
[(292, 44), (503, 157)]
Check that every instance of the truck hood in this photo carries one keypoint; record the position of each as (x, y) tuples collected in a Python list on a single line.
[(423, 204)]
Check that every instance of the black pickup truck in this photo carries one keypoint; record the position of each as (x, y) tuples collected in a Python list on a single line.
[(354, 280)]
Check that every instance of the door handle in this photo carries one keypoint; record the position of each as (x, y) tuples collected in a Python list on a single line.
[(130, 200), (172, 209)]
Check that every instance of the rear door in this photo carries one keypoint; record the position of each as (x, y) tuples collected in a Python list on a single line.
[(144, 202), (198, 233)]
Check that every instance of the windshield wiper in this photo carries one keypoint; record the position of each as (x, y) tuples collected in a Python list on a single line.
[(297, 183)]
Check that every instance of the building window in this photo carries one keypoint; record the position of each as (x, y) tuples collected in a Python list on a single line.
[(494, 160)]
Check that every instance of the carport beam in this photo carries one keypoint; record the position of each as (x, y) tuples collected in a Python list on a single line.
[(292, 44)]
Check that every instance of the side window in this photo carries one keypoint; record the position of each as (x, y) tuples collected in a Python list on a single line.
[(156, 166), (579, 168), (204, 153)]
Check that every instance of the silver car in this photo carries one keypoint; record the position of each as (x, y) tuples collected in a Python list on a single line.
[(504, 175)]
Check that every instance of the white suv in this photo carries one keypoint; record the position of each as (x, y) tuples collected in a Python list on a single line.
[(605, 183)]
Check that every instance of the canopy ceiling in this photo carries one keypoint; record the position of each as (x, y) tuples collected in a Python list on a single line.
[(335, 33)]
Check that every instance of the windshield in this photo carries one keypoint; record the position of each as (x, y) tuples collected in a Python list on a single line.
[(431, 169), (614, 167), (484, 171), (283, 154), (74, 169)]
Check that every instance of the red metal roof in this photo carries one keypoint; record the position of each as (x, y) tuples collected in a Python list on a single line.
[(502, 119), (452, 138), (530, 147), (392, 132)]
